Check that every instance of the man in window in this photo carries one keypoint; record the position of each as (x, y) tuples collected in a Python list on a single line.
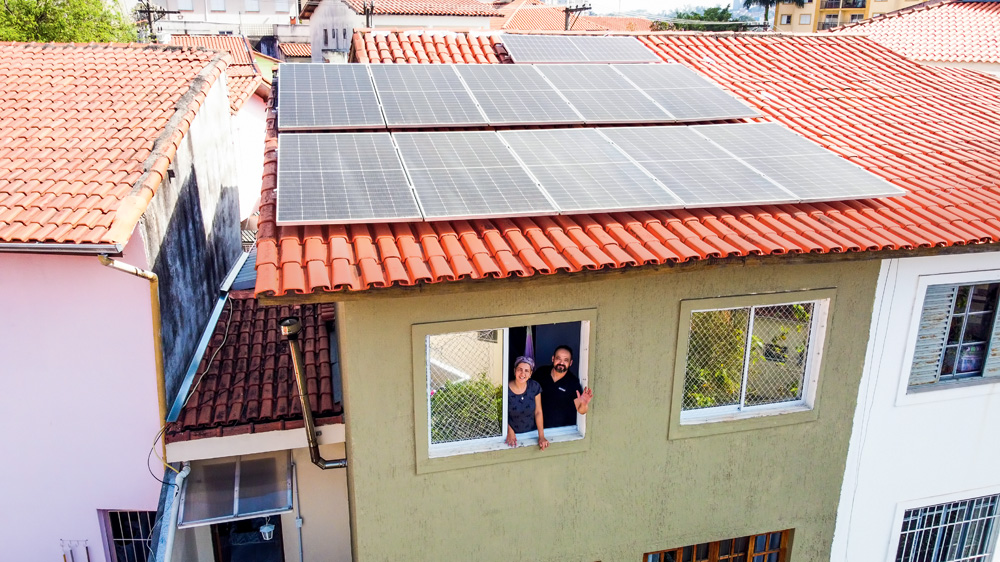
[(562, 396)]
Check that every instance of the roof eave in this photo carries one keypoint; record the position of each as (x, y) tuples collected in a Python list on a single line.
[(57, 248)]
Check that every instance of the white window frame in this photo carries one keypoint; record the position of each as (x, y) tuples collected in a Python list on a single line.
[(903, 506), (945, 390), (786, 19), (810, 378), (476, 452), (805, 19)]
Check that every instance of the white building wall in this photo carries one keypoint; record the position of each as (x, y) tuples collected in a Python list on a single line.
[(78, 409), (249, 126), (913, 450)]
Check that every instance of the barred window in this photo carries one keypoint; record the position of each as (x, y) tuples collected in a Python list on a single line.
[(961, 531), (466, 380), (128, 534), (765, 547), (751, 358)]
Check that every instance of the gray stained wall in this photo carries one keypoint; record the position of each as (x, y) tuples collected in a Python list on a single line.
[(632, 487), (191, 231)]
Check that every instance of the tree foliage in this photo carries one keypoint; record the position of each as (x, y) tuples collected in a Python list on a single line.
[(768, 4), (64, 21), (709, 14)]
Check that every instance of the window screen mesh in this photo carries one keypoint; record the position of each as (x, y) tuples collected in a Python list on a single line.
[(465, 385)]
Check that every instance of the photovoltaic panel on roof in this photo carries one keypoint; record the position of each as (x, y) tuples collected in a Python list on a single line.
[(685, 94), (809, 171), (327, 96), (424, 95), (468, 174), (583, 172), (341, 178), (602, 95), (694, 169), (579, 49), (613, 49), (541, 48), (512, 94)]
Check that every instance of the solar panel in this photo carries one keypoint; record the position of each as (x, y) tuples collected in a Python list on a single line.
[(541, 48), (468, 174), (424, 95), (613, 49), (684, 93), (327, 96), (583, 172), (602, 95), (694, 169), (809, 171), (512, 94), (561, 48), (341, 178)]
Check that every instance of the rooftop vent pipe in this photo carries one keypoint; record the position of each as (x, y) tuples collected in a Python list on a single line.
[(290, 328)]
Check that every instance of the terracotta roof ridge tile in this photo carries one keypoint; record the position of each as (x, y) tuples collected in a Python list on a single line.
[(164, 149)]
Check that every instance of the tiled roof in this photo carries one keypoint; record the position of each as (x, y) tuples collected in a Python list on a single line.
[(534, 15), (427, 7), (296, 49), (242, 76), (622, 23), (249, 387), (87, 133), (426, 46), (930, 130), (950, 31)]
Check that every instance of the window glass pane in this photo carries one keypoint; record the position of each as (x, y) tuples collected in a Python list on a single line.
[(778, 357), (970, 358), (775, 541), (741, 545), (702, 553), (280, 6), (211, 488), (253, 5), (715, 356), (263, 483), (983, 298), (760, 543), (955, 331), (962, 302), (978, 327), (465, 386)]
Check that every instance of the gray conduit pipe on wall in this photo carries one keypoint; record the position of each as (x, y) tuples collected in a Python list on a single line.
[(290, 328)]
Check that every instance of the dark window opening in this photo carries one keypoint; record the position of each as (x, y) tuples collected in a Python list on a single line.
[(765, 547)]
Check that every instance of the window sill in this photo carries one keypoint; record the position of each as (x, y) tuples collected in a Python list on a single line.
[(704, 425), (950, 390), (562, 440)]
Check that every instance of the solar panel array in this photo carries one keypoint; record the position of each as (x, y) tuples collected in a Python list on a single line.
[(360, 177), (564, 48), (354, 96)]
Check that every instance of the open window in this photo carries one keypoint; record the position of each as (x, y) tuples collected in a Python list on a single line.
[(462, 370), (236, 488)]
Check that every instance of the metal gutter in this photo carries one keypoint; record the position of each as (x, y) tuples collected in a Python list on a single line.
[(47, 248), (206, 336)]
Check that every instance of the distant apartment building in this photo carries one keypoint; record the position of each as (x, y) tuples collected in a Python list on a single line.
[(820, 15), (252, 18)]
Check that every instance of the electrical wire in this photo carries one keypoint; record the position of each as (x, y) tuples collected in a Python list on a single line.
[(208, 368)]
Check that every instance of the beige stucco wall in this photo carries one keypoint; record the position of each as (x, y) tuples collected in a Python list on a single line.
[(631, 489)]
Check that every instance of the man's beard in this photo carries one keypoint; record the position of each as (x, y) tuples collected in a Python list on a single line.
[(560, 368)]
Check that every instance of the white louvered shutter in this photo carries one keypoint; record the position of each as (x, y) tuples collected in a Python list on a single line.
[(933, 333), (992, 366)]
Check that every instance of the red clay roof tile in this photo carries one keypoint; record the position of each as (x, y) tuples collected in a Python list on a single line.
[(933, 131), (242, 75), (79, 124), (295, 49), (949, 31), (427, 7)]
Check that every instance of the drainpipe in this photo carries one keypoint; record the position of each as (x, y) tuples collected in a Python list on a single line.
[(154, 298), (168, 549), (290, 328)]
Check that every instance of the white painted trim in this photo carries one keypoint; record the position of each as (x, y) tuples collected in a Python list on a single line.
[(936, 392), (901, 507), (251, 443)]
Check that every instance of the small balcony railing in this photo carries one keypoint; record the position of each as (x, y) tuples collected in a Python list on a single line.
[(824, 25), (843, 5)]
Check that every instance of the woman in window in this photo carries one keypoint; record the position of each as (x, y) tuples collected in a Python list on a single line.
[(524, 404)]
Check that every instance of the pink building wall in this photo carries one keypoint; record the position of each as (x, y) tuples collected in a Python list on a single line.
[(78, 405)]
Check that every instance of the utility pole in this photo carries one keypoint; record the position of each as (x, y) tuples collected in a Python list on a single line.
[(570, 10), (150, 11)]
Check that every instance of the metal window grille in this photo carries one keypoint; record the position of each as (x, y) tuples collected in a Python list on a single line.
[(130, 535), (961, 531), (765, 547), (745, 357), (465, 385)]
